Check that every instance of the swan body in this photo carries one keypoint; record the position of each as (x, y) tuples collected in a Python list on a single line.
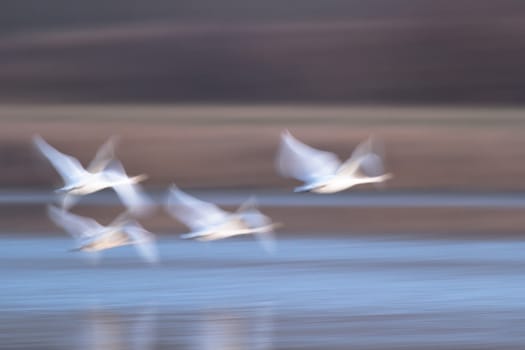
[(335, 184)]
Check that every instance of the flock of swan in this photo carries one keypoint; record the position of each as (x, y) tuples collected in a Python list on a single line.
[(320, 172)]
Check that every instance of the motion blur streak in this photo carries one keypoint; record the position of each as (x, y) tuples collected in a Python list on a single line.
[(199, 93)]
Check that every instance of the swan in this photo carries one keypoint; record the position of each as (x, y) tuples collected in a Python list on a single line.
[(93, 237), (103, 172), (323, 172), (209, 222)]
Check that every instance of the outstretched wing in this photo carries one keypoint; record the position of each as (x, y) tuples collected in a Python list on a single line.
[(193, 212), (128, 189), (104, 155), (121, 220), (261, 224), (68, 167), (367, 158), (68, 200), (144, 241), (300, 161), (77, 226), (134, 198)]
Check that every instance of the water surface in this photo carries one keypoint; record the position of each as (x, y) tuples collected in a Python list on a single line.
[(313, 293)]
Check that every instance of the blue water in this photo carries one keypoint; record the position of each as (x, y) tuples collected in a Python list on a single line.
[(313, 293), (286, 198)]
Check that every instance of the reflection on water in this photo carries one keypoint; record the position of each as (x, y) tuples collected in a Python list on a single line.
[(140, 328), (235, 329), (312, 294), (112, 331)]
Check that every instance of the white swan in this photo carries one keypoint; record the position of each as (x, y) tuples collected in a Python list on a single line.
[(323, 172), (209, 222), (93, 237), (103, 172)]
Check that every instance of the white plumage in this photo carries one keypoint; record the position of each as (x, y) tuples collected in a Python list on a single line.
[(103, 172), (209, 222), (323, 172), (93, 237)]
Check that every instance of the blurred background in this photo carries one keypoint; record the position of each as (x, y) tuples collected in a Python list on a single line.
[(199, 92)]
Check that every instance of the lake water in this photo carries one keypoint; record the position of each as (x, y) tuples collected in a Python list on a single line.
[(337, 293)]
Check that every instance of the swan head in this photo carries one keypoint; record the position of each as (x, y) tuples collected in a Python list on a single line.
[(139, 178)]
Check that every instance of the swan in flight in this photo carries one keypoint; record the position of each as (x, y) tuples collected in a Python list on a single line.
[(103, 172), (323, 172), (93, 237), (208, 222)]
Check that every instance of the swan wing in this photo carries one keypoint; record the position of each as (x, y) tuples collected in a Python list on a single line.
[(144, 241), (261, 224), (134, 198), (77, 226), (68, 167), (193, 212), (128, 189), (367, 158), (300, 161), (105, 154)]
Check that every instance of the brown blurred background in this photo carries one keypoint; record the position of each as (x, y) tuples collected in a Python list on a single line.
[(352, 51), (203, 84), (199, 91)]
